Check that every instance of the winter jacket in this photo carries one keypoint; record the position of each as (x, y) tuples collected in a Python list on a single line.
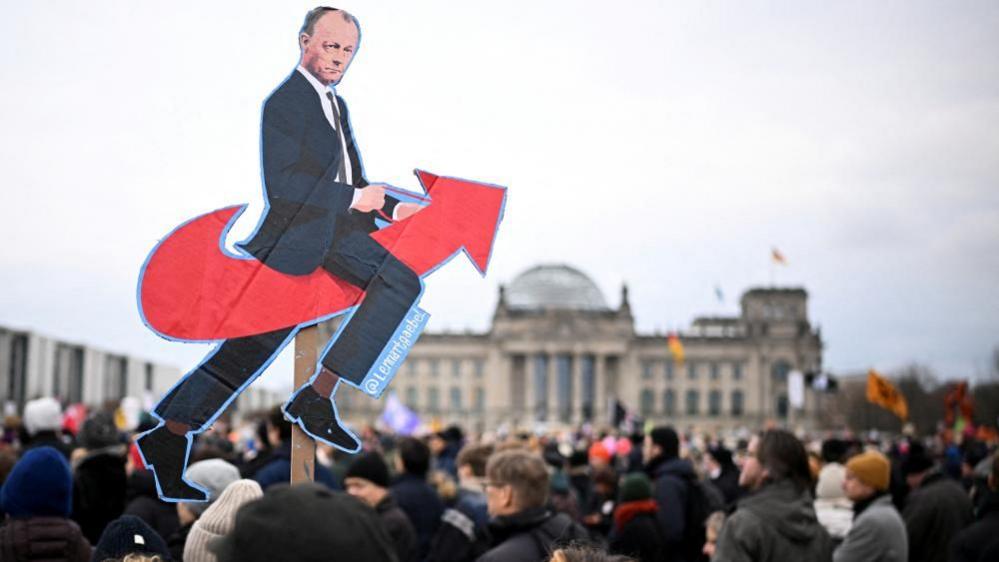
[(934, 514), (970, 543), (672, 480), (144, 503), (775, 523), (176, 542), (877, 535), (463, 534), (727, 483), (530, 535), (407, 549), (277, 470), (422, 505), (99, 484), (636, 531), (48, 539)]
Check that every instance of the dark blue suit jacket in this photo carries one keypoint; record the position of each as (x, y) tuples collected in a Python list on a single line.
[(301, 154)]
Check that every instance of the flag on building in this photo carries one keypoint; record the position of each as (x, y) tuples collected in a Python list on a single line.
[(719, 294), (777, 256), (398, 417), (676, 348), (883, 393)]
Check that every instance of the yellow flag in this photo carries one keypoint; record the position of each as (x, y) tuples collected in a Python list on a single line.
[(881, 392), (676, 348)]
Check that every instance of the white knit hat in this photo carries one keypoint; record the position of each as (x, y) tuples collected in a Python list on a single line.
[(830, 485), (42, 414), (219, 519)]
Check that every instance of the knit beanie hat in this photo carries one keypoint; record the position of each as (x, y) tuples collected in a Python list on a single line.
[(128, 535), (218, 519), (39, 485), (214, 475), (830, 485), (918, 460), (667, 439), (635, 487), (371, 467), (42, 414), (872, 468), (99, 431)]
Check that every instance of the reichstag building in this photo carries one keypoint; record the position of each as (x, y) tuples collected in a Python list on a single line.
[(556, 356)]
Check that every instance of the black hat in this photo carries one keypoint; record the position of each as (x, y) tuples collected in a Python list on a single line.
[(371, 467), (99, 431), (667, 439), (721, 455), (918, 460), (128, 535), (305, 522)]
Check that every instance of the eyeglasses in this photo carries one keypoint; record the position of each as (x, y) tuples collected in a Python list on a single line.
[(489, 483)]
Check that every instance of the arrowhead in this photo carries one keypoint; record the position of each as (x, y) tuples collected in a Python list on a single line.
[(472, 213)]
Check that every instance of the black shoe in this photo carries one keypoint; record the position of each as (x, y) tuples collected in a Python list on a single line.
[(165, 454), (316, 416)]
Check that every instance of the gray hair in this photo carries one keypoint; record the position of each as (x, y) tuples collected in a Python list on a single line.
[(309, 25)]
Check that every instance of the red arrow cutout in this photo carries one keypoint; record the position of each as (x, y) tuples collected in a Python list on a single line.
[(192, 290)]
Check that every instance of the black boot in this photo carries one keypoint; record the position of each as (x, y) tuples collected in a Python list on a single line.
[(316, 416), (165, 454)]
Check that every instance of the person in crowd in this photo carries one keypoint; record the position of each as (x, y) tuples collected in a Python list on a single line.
[(463, 534), (585, 554), (674, 482), (258, 451), (37, 497), (99, 478), (970, 544), (218, 520), (599, 512), (636, 531), (722, 473), (42, 423), (143, 500), (935, 510), (712, 528), (579, 475), (832, 506), (212, 475), (878, 532), (129, 538), (309, 520), (445, 446), (522, 527), (367, 479), (776, 521), (562, 497), (277, 469), (413, 494)]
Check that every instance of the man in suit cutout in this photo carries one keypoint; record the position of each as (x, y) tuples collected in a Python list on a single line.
[(320, 213)]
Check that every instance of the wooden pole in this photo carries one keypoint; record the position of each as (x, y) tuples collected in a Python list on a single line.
[(303, 448)]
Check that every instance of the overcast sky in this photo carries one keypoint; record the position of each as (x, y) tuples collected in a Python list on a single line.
[(668, 146)]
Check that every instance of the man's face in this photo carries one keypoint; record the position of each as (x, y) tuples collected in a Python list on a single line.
[(752, 473), (499, 498), (364, 490), (326, 53), (854, 489)]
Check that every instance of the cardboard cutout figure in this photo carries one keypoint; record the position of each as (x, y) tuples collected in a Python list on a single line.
[(317, 252)]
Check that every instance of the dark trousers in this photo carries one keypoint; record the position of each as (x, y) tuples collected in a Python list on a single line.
[(391, 290)]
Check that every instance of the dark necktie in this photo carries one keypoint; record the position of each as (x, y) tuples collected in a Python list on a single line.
[(342, 173)]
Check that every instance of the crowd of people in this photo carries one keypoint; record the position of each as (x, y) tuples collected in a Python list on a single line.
[(83, 493)]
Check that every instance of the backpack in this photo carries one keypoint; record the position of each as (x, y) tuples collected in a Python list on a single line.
[(703, 499)]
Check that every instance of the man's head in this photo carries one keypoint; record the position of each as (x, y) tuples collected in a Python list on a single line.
[(916, 465), (866, 474), (414, 457), (278, 428), (663, 442), (367, 478), (775, 456), (515, 480), (472, 461), (328, 39)]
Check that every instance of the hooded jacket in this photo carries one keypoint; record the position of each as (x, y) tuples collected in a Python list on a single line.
[(775, 523), (878, 535)]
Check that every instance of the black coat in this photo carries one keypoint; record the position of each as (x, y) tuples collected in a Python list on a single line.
[(530, 536), (934, 514), (99, 485), (970, 543), (728, 484), (422, 505), (43, 538), (640, 538), (400, 529)]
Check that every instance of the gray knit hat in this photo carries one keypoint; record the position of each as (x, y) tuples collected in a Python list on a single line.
[(213, 475), (218, 519)]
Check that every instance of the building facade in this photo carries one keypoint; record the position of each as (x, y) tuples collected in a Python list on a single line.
[(556, 355)]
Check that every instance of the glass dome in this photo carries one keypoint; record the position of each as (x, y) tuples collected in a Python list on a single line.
[(554, 286)]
